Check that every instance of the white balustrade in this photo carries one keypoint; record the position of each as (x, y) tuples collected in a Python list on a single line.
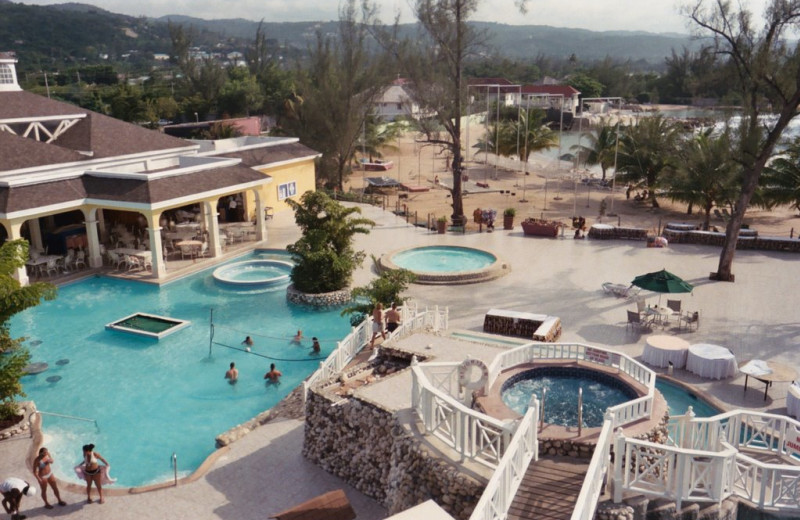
[(595, 475), (505, 481), (349, 346)]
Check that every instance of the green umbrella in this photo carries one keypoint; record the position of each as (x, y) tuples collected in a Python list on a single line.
[(662, 282)]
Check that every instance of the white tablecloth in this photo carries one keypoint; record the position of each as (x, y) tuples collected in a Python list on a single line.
[(793, 401), (659, 351), (711, 361)]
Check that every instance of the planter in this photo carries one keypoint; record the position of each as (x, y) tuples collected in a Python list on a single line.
[(542, 228), (508, 222), (441, 227)]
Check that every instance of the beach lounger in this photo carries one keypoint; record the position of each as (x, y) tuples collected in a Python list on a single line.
[(620, 290)]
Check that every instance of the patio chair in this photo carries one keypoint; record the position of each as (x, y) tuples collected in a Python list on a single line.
[(133, 263), (675, 307), (68, 262), (52, 265), (690, 318), (203, 249), (187, 250), (638, 321), (80, 259)]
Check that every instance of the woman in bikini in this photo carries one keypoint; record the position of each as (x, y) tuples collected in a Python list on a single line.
[(93, 472), (43, 472)]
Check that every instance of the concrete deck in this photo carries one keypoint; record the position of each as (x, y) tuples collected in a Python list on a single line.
[(756, 317)]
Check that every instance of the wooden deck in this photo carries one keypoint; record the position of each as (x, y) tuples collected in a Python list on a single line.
[(549, 489)]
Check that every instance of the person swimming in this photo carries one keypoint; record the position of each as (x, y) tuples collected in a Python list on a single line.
[(315, 346), (232, 375), (274, 375), (298, 337)]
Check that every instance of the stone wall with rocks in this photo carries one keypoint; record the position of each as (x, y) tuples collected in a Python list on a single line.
[(19, 425), (366, 446), (318, 300)]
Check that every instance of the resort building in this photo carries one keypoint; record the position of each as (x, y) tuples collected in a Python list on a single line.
[(396, 101), (79, 185)]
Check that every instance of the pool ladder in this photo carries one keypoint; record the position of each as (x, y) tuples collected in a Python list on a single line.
[(64, 416), (174, 464), (580, 410)]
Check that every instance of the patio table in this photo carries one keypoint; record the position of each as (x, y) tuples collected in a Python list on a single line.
[(662, 350), (767, 372), (711, 361)]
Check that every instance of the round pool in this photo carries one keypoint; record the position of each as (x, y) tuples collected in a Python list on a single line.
[(254, 273), (562, 383), (446, 264)]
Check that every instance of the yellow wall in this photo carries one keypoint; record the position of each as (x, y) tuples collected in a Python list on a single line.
[(301, 173)]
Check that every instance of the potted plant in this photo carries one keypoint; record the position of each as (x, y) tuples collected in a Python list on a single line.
[(441, 225), (508, 218)]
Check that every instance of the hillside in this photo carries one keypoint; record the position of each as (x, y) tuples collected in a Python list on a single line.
[(64, 34)]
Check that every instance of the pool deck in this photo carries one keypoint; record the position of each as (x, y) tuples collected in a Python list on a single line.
[(265, 472)]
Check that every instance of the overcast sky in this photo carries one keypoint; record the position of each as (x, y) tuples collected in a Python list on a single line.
[(597, 15)]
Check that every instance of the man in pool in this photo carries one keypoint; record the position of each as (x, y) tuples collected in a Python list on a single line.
[(13, 489), (248, 341), (315, 347), (298, 337), (232, 375), (274, 375)]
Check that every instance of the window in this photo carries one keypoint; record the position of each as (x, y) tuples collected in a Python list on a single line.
[(6, 76), (287, 190)]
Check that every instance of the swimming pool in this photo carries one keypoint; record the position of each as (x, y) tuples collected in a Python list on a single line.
[(679, 400), (443, 259), (155, 398)]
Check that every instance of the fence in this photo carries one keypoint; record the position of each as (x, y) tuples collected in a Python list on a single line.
[(347, 348), (592, 486), (624, 413), (472, 434), (505, 481), (703, 463)]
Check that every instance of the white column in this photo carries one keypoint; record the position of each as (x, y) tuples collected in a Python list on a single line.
[(14, 232), (36, 234), (95, 258), (212, 226), (101, 224), (261, 222), (156, 248)]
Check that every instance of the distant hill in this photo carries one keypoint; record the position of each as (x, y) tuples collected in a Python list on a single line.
[(512, 41), (65, 34)]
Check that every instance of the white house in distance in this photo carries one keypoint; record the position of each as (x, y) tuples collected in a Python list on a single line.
[(550, 96), (395, 101)]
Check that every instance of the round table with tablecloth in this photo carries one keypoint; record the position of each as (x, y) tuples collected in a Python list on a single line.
[(711, 361), (661, 350)]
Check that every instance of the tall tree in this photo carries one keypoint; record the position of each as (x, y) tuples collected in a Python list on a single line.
[(434, 64), (15, 298), (706, 175), (336, 93), (781, 179), (601, 148), (522, 136), (646, 151), (767, 64)]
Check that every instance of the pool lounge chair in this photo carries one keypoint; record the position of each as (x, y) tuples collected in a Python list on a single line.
[(620, 290)]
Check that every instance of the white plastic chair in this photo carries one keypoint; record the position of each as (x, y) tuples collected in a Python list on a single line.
[(80, 259)]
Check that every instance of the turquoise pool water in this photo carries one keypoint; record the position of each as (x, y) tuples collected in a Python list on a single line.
[(561, 403), (152, 398), (679, 400), (254, 272), (443, 259)]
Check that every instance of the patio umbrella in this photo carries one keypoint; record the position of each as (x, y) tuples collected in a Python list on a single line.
[(662, 282)]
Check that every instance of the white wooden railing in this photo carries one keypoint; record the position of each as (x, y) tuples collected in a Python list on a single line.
[(412, 320), (436, 397), (703, 461), (505, 481), (592, 486), (624, 413)]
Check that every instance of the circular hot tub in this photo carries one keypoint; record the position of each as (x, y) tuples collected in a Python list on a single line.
[(600, 391), (254, 273), (446, 264)]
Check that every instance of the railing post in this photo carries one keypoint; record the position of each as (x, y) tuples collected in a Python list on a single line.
[(580, 411), (619, 464), (532, 427), (544, 404), (687, 433)]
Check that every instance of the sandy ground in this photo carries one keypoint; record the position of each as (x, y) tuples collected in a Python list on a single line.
[(543, 192)]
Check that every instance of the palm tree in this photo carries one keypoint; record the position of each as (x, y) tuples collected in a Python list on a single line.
[(780, 182), (706, 175), (601, 148), (522, 137), (646, 150), (379, 136)]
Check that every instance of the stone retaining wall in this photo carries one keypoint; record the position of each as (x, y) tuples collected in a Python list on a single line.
[(366, 446), (318, 300)]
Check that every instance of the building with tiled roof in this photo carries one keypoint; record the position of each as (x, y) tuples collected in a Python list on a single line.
[(68, 175)]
